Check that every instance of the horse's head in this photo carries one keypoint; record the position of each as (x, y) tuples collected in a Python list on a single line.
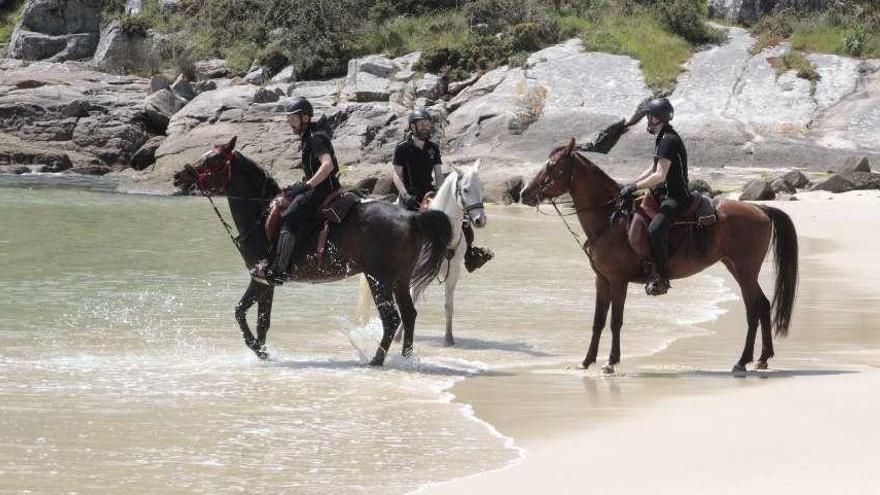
[(470, 193), (554, 178), (211, 173)]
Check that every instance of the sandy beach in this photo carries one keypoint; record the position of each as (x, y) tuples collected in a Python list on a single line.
[(678, 422)]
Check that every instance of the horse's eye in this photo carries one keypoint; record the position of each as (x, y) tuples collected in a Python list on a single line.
[(465, 190)]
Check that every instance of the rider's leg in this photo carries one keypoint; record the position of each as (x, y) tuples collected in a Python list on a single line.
[(659, 230)]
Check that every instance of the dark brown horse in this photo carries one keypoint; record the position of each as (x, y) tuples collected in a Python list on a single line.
[(740, 239), (396, 250)]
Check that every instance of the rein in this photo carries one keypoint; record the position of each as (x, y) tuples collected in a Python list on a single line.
[(465, 218)]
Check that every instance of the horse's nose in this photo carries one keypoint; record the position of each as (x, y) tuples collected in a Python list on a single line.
[(481, 220)]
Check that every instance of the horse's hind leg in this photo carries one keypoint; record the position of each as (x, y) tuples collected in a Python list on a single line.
[(407, 313), (253, 293), (618, 299), (384, 299), (264, 317), (766, 332)]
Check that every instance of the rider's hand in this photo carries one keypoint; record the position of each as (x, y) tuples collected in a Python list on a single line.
[(411, 202), (628, 191), (298, 188)]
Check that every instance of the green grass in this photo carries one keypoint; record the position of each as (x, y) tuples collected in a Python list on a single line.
[(661, 53), (408, 34), (9, 18), (810, 37)]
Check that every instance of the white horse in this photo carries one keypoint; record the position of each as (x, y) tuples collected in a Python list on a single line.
[(461, 197)]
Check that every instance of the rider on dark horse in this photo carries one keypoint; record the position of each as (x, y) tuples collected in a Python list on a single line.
[(418, 171), (667, 178), (320, 179)]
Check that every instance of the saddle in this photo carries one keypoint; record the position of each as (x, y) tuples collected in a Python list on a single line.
[(700, 214), (333, 210)]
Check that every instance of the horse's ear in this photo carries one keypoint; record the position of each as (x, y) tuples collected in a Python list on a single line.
[(570, 148), (456, 170), (230, 146), (477, 164)]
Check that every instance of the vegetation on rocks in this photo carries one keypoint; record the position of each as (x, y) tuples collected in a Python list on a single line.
[(456, 37), (844, 28)]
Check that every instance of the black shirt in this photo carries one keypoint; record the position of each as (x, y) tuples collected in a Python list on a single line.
[(316, 142), (670, 146), (418, 165)]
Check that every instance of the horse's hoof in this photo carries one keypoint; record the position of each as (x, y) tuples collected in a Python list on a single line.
[(738, 370), (449, 342), (408, 352), (608, 369), (377, 361), (762, 365), (585, 365)]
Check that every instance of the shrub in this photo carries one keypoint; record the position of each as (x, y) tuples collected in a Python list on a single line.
[(855, 40), (684, 18)]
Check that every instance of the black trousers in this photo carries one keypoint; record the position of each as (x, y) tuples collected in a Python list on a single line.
[(659, 230), (303, 207)]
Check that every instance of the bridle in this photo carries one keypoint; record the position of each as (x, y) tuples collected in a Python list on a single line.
[(466, 209), (223, 167)]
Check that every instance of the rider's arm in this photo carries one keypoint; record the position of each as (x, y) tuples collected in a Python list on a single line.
[(397, 178), (648, 171), (657, 177), (323, 172)]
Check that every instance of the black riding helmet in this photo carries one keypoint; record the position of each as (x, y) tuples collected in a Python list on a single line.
[(415, 116), (299, 105), (660, 108)]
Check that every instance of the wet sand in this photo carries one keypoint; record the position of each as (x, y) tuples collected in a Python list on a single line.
[(678, 422)]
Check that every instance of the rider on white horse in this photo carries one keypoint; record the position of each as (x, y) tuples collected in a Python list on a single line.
[(418, 173)]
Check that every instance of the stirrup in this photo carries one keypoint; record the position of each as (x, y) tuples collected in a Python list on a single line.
[(263, 274), (657, 286), (475, 257)]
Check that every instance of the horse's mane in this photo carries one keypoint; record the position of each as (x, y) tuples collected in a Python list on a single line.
[(591, 168), (260, 176)]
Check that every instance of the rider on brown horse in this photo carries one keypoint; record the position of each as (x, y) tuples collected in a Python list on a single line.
[(667, 179), (418, 171), (320, 178)]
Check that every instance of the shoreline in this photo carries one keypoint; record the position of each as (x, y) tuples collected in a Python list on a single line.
[(685, 378)]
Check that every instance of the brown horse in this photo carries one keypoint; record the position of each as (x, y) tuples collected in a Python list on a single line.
[(740, 239), (396, 250)]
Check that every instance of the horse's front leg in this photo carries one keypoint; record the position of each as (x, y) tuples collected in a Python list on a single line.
[(253, 293), (451, 282), (600, 315), (618, 299)]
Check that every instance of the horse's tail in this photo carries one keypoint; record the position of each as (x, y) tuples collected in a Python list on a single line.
[(437, 232), (365, 301), (785, 252)]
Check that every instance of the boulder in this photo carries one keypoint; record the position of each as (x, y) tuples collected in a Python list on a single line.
[(146, 154), (266, 95), (212, 69), (757, 190), (457, 86), (93, 116), (367, 185), (59, 29), (849, 181), (384, 186), (430, 86), (796, 179), (285, 75), (159, 107), (158, 83), (120, 51), (503, 191), (91, 170), (183, 88), (257, 77), (854, 164), (779, 185)]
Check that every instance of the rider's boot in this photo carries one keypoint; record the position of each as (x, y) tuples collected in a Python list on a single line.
[(278, 272), (474, 257)]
